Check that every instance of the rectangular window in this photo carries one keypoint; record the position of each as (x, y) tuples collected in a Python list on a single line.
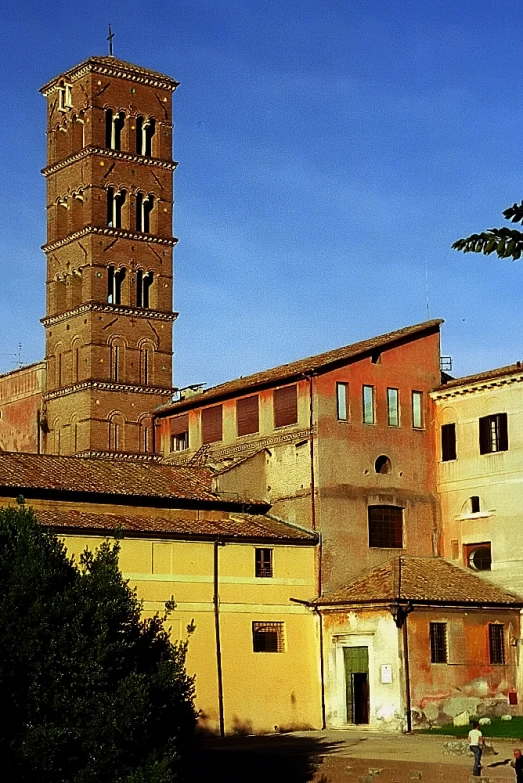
[(342, 401), (438, 642), (386, 527), (247, 415), (417, 410), (393, 408), (448, 442), (285, 403), (496, 638), (493, 433), (454, 550), (212, 424), (180, 432), (263, 563), (268, 637), (368, 404)]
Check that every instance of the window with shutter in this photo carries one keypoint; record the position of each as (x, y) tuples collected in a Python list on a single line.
[(247, 415), (448, 442), (212, 424), (493, 433), (180, 432), (285, 406)]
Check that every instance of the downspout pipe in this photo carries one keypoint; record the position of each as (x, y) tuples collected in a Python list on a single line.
[(216, 606)]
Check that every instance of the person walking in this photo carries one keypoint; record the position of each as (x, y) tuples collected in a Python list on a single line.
[(476, 743), (517, 765)]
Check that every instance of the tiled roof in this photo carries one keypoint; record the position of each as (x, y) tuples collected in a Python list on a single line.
[(499, 372), (99, 63), (235, 526), (420, 580), (285, 372), (104, 476)]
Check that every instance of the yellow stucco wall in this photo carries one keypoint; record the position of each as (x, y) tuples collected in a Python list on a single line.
[(261, 691), (495, 478)]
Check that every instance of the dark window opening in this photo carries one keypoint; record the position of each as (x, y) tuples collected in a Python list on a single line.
[(493, 433), (144, 206), (496, 634), (438, 643), (448, 442), (263, 562), (115, 278), (143, 286), (386, 527), (478, 556), (114, 124), (268, 637), (285, 402), (180, 432), (383, 464), (375, 357), (247, 415), (474, 504), (180, 442), (145, 130), (212, 424), (115, 202)]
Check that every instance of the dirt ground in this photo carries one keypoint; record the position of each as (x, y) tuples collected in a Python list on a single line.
[(341, 757)]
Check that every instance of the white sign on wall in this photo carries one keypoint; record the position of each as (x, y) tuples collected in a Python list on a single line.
[(386, 673)]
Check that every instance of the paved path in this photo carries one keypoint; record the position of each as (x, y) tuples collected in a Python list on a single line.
[(341, 757)]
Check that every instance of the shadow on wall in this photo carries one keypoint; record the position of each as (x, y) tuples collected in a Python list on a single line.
[(276, 758)]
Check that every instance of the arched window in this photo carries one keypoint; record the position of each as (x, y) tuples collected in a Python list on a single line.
[(145, 130), (143, 285), (145, 435), (383, 464), (144, 207), (117, 359), (57, 430), (114, 124), (115, 278), (146, 363), (62, 217), (78, 132), (59, 365), (115, 202), (73, 434), (75, 351), (116, 432)]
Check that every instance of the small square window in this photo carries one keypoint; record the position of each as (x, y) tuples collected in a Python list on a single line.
[(438, 643), (417, 410), (496, 634), (268, 637), (368, 405), (263, 563), (342, 401)]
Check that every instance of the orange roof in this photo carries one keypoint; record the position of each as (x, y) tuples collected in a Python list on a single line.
[(254, 527), (287, 372), (99, 476), (424, 580)]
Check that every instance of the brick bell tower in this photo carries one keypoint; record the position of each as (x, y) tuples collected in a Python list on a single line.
[(109, 249)]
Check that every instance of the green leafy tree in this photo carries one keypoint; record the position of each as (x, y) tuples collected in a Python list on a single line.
[(89, 691), (505, 242)]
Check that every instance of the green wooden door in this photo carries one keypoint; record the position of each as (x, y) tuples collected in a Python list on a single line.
[(357, 683)]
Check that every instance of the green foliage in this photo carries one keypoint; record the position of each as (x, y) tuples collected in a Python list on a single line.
[(89, 691), (505, 242), (498, 729)]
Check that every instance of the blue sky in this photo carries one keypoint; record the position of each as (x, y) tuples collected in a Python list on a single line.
[(330, 153)]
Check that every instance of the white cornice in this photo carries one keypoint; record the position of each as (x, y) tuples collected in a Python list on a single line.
[(170, 165), (107, 386), (476, 386), (99, 307), (119, 233)]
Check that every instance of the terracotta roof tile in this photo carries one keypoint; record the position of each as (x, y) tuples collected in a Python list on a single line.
[(234, 526), (423, 580), (104, 476), (466, 380), (286, 372), (97, 63)]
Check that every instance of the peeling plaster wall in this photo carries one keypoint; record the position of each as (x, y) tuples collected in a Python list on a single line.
[(468, 681)]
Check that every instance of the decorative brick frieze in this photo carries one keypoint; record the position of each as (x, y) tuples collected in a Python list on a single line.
[(99, 307), (169, 165), (119, 233), (125, 388)]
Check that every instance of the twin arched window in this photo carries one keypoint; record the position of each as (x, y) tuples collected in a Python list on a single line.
[(114, 124), (145, 129)]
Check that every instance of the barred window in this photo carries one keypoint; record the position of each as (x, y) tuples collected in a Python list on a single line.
[(386, 527), (268, 637), (263, 562), (438, 642), (496, 637)]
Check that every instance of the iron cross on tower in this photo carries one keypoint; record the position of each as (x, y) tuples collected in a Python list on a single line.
[(110, 39)]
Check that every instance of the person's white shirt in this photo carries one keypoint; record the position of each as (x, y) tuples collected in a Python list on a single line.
[(475, 736)]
